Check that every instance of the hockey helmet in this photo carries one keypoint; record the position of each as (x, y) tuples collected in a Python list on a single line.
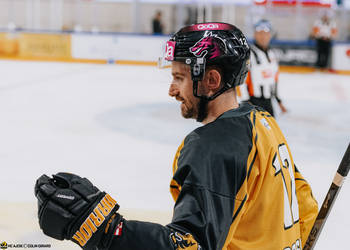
[(263, 25), (211, 44)]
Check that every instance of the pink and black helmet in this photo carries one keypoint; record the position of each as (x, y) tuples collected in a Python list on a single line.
[(211, 44)]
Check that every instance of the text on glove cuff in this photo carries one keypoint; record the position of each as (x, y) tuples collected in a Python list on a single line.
[(95, 220)]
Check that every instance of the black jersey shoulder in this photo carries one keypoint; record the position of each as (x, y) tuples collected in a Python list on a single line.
[(215, 156)]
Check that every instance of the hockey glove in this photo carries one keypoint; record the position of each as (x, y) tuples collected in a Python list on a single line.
[(70, 207)]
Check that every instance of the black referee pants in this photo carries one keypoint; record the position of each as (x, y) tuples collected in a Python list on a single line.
[(323, 51)]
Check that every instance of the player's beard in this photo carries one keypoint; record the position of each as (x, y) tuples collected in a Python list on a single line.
[(197, 110), (188, 111)]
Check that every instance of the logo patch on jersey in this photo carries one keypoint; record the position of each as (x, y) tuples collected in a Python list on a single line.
[(265, 123), (186, 241), (267, 73)]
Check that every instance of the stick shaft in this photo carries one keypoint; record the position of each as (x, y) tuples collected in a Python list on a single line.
[(329, 200)]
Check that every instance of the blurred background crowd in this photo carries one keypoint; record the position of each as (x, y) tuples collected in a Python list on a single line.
[(292, 19)]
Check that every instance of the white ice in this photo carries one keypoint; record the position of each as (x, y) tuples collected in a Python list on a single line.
[(117, 126)]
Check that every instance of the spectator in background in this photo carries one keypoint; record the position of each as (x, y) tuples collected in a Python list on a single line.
[(261, 83), (323, 31), (157, 25)]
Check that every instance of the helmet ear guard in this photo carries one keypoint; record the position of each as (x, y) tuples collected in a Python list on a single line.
[(197, 66), (197, 72)]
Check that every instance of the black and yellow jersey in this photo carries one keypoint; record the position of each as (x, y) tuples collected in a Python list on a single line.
[(235, 186), (250, 194)]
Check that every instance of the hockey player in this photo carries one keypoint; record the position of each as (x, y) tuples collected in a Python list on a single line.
[(235, 184), (261, 83)]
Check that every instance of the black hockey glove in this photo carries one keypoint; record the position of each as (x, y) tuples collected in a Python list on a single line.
[(70, 207)]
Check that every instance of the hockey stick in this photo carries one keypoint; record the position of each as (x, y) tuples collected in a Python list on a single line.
[(328, 202)]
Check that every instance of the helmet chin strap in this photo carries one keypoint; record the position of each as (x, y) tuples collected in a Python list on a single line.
[(204, 100), (202, 108)]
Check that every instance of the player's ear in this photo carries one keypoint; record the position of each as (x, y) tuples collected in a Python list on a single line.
[(213, 79)]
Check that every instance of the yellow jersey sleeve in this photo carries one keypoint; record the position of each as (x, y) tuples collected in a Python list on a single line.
[(308, 208)]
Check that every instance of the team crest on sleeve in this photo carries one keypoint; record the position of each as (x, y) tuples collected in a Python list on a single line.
[(186, 241)]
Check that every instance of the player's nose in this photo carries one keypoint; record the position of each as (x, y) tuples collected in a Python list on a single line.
[(173, 90)]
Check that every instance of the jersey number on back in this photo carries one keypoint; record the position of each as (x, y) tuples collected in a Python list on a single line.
[(291, 209)]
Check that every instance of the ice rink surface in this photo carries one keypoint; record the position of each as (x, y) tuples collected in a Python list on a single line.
[(117, 126)]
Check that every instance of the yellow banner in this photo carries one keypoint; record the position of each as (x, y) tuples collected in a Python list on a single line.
[(45, 46), (9, 44)]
